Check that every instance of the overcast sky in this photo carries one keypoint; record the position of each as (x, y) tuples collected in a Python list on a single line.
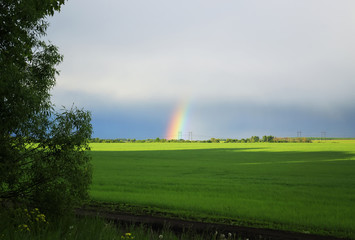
[(247, 67)]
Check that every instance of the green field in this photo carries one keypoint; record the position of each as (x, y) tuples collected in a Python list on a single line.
[(307, 187)]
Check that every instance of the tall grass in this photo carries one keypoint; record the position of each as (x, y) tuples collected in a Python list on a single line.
[(303, 187), (14, 225), (92, 228)]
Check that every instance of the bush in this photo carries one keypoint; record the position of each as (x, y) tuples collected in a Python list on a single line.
[(43, 158)]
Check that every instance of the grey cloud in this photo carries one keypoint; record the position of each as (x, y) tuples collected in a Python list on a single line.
[(294, 54)]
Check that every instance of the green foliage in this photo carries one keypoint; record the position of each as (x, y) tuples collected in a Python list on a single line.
[(27, 71), (43, 158), (254, 139), (20, 224), (32, 224), (268, 138)]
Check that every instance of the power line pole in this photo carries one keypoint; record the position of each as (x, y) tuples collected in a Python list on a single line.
[(323, 135), (190, 136), (299, 134), (179, 135)]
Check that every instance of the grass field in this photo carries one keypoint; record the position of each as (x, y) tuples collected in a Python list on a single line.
[(307, 187)]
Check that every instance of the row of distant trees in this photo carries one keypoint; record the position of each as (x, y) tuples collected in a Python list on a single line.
[(253, 139), (133, 140), (270, 138)]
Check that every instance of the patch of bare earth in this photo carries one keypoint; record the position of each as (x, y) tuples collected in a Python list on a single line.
[(179, 226)]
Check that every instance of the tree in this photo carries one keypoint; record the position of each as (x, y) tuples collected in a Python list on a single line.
[(268, 138), (254, 139), (43, 153)]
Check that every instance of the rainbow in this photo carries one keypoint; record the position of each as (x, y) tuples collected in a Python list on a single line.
[(178, 121)]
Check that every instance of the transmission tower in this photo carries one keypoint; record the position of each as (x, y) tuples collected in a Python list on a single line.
[(179, 135), (299, 134), (190, 136)]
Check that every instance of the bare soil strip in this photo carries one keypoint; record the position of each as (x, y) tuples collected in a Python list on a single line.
[(179, 226)]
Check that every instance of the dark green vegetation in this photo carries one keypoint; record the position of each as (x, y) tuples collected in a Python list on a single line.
[(252, 139), (32, 224), (43, 153), (22, 224), (300, 187)]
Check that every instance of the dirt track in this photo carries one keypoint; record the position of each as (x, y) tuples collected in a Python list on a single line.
[(177, 225)]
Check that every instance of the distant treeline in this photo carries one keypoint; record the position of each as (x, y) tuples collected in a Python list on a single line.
[(253, 139), (330, 138)]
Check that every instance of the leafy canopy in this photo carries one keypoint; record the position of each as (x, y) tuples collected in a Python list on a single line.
[(43, 153)]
